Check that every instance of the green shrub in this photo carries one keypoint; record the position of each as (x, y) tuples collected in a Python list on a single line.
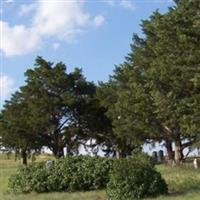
[(91, 174), (31, 178), (79, 173), (133, 178)]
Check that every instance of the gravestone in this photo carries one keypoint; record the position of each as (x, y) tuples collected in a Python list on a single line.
[(154, 157), (160, 156), (196, 163)]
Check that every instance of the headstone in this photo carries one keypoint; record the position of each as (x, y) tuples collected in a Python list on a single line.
[(196, 163), (154, 157), (160, 156)]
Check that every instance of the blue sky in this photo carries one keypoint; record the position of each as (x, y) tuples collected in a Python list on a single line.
[(91, 34)]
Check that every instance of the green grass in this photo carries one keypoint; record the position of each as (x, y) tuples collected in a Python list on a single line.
[(184, 184), (7, 167)]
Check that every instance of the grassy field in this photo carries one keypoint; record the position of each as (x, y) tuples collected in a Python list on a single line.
[(184, 184)]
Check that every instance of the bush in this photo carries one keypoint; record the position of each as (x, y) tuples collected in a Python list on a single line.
[(31, 178), (133, 178), (79, 173)]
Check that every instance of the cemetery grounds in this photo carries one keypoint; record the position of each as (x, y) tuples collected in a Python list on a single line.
[(183, 183)]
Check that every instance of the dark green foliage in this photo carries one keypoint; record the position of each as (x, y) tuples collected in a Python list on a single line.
[(69, 174), (155, 94), (31, 178), (135, 177), (16, 130), (57, 101), (55, 109)]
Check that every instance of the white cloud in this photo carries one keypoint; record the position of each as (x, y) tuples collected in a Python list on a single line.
[(128, 4), (55, 45), (9, 1), (26, 8), (99, 20), (62, 20), (17, 40), (6, 87)]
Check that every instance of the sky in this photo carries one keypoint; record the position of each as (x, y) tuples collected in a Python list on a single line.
[(94, 35)]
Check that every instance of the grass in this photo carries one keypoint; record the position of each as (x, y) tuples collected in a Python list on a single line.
[(184, 184)]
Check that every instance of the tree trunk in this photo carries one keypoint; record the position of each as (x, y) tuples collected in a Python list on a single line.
[(69, 151), (178, 152), (61, 152), (170, 153), (58, 152), (128, 150), (17, 155), (198, 150), (24, 156), (117, 152)]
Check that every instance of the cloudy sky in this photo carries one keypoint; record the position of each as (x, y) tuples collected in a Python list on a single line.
[(91, 34)]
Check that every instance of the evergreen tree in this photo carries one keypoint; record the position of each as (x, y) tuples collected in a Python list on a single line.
[(156, 89), (16, 131), (56, 102), (55, 109)]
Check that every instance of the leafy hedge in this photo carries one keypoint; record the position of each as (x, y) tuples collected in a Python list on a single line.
[(133, 178), (126, 178), (79, 173)]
